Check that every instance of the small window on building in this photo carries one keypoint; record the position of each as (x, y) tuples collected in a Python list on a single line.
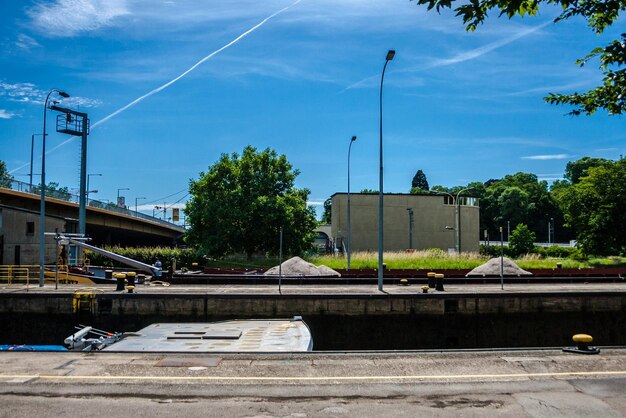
[(30, 228)]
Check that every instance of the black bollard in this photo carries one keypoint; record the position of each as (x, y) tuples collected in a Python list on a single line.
[(130, 277), (120, 280), (431, 279), (439, 282)]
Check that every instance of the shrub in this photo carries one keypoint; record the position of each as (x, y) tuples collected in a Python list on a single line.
[(521, 241)]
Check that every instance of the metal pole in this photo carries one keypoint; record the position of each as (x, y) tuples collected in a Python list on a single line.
[(508, 231), (548, 232), (381, 249), (32, 146), (410, 212), (136, 199), (42, 207), (280, 261), (349, 150), (82, 204), (457, 225), (56, 271), (458, 219), (501, 259), (88, 189)]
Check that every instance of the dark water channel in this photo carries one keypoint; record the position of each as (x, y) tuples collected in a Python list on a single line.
[(380, 332)]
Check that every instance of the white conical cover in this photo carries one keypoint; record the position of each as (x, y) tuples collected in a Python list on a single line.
[(296, 266), (492, 268)]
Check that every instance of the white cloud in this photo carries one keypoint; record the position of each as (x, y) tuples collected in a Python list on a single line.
[(547, 157), (63, 18), (4, 114), (463, 56), (25, 42), (28, 93)]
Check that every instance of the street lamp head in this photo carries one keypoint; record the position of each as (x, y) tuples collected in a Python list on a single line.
[(353, 138), (64, 94), (390, 54)]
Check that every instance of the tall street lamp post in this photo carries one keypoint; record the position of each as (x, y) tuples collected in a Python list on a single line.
[(32, 147), (136, 199), (42, 213), (410, 211), (458, 219), (349, 150), (390, 55), (88, 189), (455, 218)]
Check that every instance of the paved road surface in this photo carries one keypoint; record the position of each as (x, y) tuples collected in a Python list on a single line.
[(545, 383)]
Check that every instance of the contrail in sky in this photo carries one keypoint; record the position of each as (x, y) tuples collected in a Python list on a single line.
[(169, 83), (461, 57), (193, 67)]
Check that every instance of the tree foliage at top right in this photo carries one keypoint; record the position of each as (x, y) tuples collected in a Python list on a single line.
[(599, 14)]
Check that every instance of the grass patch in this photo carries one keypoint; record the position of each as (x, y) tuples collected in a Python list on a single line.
[(429, 259), (438, 259)]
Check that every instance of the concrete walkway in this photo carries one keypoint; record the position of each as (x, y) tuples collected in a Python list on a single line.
[(377, 384), (391, 289)]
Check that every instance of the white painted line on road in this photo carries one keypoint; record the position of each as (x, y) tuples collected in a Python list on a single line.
[(314, 378)]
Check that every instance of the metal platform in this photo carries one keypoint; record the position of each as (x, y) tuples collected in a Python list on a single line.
[(271, 335)]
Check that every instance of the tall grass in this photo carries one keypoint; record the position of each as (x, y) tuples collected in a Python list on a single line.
[(435, 259), (428, 259)]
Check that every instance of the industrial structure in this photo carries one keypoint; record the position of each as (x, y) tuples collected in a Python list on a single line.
[(20, 234), (410, 222)]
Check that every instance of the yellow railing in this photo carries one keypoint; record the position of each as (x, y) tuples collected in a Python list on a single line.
[(11, 275), (25, 274)]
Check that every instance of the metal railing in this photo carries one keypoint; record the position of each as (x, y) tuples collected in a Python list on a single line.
[(15, 275), (64, 194)]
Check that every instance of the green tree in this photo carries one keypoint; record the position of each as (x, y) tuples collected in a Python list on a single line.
[(521, 241), (327, 216), (600, 14), (53, 190), (594, 207), (5, 177), (419, 181), (241, 202), (574, 170), (519, 198)]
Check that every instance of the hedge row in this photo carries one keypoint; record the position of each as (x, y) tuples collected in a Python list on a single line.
[(184, 256)]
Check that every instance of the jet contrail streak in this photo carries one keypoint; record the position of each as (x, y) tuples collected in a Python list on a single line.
[(193, 67), (463, 56), (169, 83)]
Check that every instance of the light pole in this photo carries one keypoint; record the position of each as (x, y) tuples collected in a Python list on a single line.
[(389, 57), (458, 220), (88, 189), (42, 213), (349, 150), (118, 194), (508, 231), (32, 147), (136, 199), (455, 217), (410, 211)]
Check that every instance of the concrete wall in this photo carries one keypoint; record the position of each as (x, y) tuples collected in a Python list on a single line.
[(431, 216), (14, 233)]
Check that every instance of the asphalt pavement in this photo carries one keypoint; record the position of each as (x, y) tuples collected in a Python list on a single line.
[(535, 383)]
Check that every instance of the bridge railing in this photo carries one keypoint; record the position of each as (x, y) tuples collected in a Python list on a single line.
[(65, 194)]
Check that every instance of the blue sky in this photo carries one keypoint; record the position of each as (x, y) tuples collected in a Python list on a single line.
[(460, 106)]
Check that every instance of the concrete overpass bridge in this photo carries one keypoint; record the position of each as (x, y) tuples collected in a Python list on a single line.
[(107, 224)]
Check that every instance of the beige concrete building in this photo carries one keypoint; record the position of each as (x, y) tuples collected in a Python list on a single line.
[(434, 222)]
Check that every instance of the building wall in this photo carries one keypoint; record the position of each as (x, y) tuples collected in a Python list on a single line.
[(14, 233), (431, 216)]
